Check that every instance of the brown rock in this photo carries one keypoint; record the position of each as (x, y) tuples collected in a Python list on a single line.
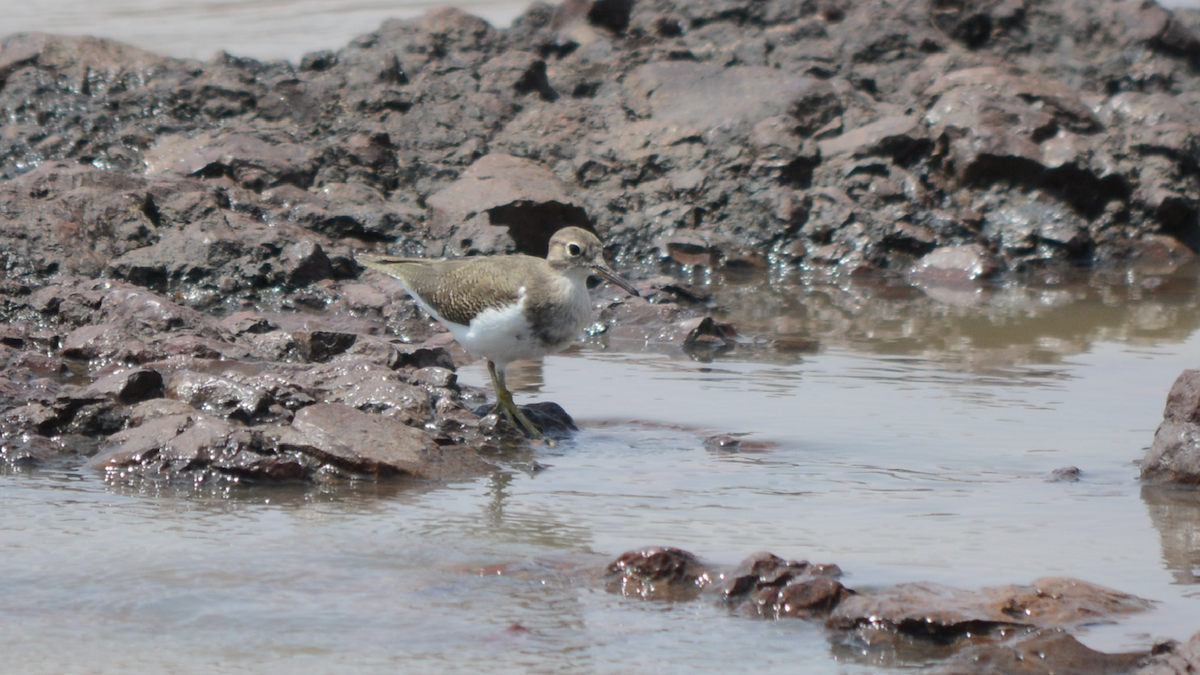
[(1175, 454), (709, 95), (108, 342), (944, 614), (375, 445), (127, 386), (139, 443), (218, 395), (1172, 658), (886, 136), (503, 204), (1046, 652), (658, 573), (248, 158), (809, 598)]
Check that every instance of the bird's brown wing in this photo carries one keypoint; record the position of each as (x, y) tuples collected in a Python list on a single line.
[(458, 290)]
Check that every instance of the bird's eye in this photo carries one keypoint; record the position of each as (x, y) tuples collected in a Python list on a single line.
[(574, 250)]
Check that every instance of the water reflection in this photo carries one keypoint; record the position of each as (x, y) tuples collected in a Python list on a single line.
[(914, 444), (990, 328), (1175, 513)]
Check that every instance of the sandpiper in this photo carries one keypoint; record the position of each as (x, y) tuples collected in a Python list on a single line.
[(508, 307)]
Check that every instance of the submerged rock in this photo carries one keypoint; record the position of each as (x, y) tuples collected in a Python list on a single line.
[(945, 615), (1045, 652), (767, 585), (1004, 629), (658, 573)]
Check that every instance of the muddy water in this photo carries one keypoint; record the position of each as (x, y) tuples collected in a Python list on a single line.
[(912, 439)]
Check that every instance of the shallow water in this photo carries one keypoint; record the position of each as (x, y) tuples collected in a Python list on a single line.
[(900, 460), (914, 443)]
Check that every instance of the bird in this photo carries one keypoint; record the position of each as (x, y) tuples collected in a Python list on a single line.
[(508, 307)]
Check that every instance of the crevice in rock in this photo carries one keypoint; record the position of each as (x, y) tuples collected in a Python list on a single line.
[(531, 224)]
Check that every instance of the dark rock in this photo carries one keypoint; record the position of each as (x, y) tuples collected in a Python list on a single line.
[(658, 573), (550, 418), (141, 443), (319, 346), (898, 137), (724, 120), (809, 598), (1175, 454), (709, 338), (255, 161)]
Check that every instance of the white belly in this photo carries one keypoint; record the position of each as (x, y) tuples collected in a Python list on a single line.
[(505, 335)]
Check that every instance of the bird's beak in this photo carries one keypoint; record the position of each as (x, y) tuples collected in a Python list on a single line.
[(603, 271)]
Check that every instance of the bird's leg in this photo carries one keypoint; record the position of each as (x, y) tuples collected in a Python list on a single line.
[(505, 405)]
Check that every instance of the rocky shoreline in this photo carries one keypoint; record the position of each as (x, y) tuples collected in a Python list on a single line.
[(178, 217), (179, 298)]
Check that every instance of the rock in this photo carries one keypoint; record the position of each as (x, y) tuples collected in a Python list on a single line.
[(1045, 652), (658, 573), (250, 159), (956, 265), (374, 445), (127, 386), (1174, 456), (139, 443), (1023, 229), (1172, 658), (219, 395), (173, 445), (550, 418), (194, 178), (319, 346), (503, 204), (709, 95), (943, 614), (240, 323), (106, 342), (305, 262), (1066, 474), (709, 338), (767, 585), (897, 136)]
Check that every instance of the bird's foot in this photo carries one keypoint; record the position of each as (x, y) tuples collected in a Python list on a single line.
[(520, 421)]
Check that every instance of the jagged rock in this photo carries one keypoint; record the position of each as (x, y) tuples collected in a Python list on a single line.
[(1175, 454)]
